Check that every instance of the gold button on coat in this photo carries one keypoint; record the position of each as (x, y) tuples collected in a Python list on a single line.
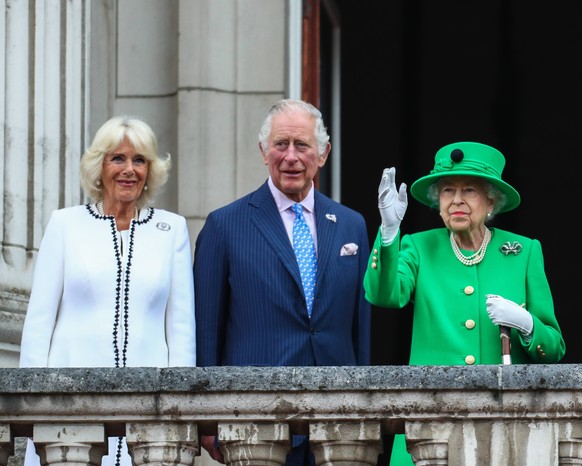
[(469, 289), (470, 359), (470, 324)]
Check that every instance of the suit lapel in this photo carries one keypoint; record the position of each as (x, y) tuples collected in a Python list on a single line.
[(267, 220), (326, 230)]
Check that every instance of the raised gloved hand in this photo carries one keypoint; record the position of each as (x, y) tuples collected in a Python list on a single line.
[(392, 204), (505, 312)]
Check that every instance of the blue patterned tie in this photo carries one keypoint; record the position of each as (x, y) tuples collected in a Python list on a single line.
[(305, 253)]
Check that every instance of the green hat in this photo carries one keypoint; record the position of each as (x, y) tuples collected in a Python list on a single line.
[(468, 159)]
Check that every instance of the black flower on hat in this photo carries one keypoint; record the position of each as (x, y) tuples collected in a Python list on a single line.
[(457, 155)]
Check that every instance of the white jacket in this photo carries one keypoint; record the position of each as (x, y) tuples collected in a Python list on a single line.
[(75, 308)]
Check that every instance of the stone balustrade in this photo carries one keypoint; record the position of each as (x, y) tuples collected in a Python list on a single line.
[(520, 415)]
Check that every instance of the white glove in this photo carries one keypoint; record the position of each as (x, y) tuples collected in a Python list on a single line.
[(505, 312), (392, 205)]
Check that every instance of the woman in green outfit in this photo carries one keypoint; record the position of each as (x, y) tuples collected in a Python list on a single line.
[(465, 279)]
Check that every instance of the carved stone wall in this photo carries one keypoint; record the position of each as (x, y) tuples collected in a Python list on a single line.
[(43, 85)]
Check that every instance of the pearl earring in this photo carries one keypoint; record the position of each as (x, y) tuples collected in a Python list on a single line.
[(98, 183), (145, 188)]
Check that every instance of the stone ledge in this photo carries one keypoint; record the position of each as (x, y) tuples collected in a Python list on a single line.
[(291, 379)]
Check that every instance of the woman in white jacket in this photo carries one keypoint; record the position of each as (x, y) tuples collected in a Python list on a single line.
[(113, 283)]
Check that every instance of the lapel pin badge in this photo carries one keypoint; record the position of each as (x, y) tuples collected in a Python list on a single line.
[(330, 217)]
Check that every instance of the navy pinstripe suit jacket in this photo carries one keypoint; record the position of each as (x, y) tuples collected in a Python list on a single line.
[(250, 308)]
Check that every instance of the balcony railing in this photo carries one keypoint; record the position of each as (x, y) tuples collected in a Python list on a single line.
[(528, 415)]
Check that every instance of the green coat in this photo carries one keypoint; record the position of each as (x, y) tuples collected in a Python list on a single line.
[(450, 323)]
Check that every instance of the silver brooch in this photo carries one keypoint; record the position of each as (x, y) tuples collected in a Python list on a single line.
[(330, 217), (508, 247), (163, 226)]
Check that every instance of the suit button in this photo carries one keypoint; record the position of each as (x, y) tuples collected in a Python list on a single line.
[(470, 359), (540, 351), (375, 251), (469, 290), (313, 331), (374, 265), (470, 324)]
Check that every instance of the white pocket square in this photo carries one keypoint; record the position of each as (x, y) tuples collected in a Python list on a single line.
[(350, 249)]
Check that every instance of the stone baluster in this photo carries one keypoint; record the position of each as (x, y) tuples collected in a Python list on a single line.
[(69, 444), (162, 443), (254, 444), (428, 442), (354, 443), (6, 448), (430, 453), (570, 452)]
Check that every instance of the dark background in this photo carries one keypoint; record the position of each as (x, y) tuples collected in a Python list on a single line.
[(417, 75)]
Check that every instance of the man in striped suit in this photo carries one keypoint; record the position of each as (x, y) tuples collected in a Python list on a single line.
[(250, 302)]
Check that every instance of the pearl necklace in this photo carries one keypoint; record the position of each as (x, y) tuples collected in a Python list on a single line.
[(477, 256), (100, 210)]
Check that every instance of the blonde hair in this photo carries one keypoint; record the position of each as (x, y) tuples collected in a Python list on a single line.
[(107, 139)]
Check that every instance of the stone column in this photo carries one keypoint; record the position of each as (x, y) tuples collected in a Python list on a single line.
[(428, 442), (254, 444), (70, 445), (42, 134), (162, 443), (569, 442), (353, 443), (570, 452), (5, 444)]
